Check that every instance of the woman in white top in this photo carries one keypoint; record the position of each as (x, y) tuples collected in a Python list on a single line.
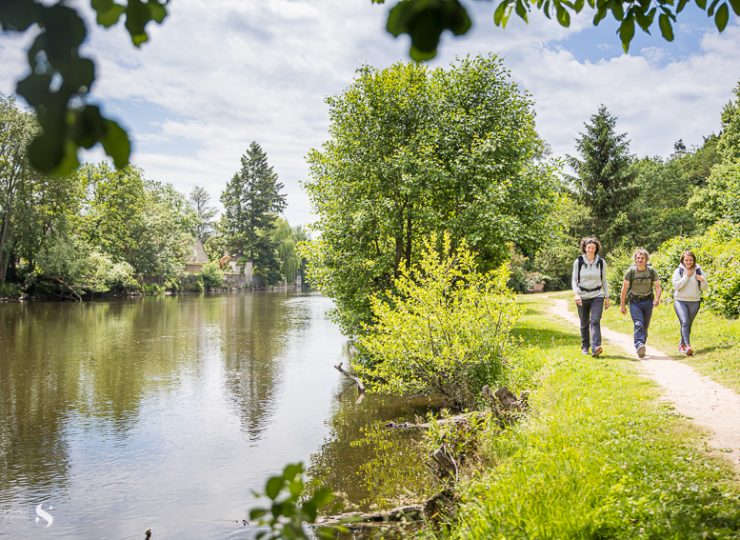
[(688, 283), (592, 296)]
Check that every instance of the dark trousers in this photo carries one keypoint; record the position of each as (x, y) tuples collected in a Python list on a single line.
[(590, 314), (641, 312), (686, 312)]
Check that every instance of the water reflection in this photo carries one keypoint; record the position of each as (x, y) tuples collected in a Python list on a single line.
[(161, 413)]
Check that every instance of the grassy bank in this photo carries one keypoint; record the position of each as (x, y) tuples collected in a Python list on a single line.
[(598, 457), (716, 340)]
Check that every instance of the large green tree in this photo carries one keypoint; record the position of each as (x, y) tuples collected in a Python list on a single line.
[(413, 151), (604, 177), (58, 85), (252, 201)]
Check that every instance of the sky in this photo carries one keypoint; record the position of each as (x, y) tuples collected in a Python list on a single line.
[(218, 75)]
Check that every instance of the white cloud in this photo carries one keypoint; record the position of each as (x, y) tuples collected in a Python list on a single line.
[(218, 75)]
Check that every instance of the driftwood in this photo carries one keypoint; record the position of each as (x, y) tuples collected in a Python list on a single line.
[(358, 382), (457, 419), (394, 516)]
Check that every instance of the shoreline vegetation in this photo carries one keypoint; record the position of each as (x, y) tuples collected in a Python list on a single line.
[(597, 455)]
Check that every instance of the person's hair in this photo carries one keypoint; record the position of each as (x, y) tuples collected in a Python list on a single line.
[(590, 240), (690, 254), (641, 251)]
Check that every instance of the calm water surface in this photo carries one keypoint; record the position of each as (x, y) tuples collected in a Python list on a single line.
[(165, 412)]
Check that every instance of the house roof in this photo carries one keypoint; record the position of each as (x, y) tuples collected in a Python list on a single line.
[(198, 254)]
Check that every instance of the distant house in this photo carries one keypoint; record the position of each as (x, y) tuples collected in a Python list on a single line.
[(198, 258)]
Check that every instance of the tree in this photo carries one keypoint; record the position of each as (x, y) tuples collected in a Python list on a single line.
[(604, 176), (252, 202), (16, 130), (200, 199), (58, 86), (113, 216), (415, 151), (720, 197)]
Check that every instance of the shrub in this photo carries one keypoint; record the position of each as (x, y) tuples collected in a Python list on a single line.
[(213, 276), (444, 329), (718, 253)]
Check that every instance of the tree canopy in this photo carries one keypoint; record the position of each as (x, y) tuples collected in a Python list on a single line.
[(415, 151), (59, 84)]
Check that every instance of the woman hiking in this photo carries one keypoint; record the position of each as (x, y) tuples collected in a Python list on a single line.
[(639, 282), (688, 283), (591, 292)]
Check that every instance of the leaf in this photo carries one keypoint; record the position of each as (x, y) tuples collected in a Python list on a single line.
[(722, 17), (502, 13), (116, 144), (681, 5), (579, 5), (273, 486), (665, 27), (157, 11), (600, 14), (627, 32), (735, 6), (702, 4), (256, 513), (521, 10), (617, 9), (711, 8), (292, 470), (323, 496), (562, 15)]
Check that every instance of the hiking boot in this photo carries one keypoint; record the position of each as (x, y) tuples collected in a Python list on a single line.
[(641, 350), (688, 350), (597, 351), (682, 349), (584, 350)]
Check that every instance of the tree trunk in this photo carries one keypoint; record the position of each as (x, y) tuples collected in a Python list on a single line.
[(408, 239)]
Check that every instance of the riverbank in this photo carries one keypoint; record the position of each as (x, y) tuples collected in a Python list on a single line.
[(598, 457)]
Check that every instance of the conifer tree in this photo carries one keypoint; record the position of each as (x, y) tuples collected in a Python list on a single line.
[(604, 177), (252, 201)]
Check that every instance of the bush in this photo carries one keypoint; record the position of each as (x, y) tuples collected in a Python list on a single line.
[(444, 329), (213, 276), (10, 290), (718, 253)]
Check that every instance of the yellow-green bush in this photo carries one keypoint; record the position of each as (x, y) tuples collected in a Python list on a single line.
[(444, 328)]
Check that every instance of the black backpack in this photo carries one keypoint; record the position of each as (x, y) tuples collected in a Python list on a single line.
[(582, 261)]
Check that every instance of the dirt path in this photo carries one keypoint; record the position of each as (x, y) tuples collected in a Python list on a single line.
[(709, 404)]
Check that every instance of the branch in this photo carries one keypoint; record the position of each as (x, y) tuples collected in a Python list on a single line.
[(358, 382)]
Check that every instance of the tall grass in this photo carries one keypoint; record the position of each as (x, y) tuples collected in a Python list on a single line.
[(599, 456)]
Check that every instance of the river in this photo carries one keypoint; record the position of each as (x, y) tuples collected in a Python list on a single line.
[(166, 412)]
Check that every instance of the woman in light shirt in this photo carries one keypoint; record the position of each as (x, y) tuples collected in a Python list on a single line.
[(688, 283), (591, 294)]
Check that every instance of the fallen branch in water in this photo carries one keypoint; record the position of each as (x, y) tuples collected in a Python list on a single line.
[(394, 516), (358, 382)]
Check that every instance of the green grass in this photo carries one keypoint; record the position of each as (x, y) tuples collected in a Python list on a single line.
[(599, 457), (716, 340)]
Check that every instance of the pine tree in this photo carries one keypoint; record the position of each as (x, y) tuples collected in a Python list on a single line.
[(604, 177), (252, 201)]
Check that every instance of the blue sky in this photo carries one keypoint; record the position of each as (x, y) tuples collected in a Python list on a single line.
[(218, 75)]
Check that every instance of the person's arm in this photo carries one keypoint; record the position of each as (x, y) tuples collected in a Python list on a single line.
[(605, 285), (623, 296), (574, 282), (658, 292)]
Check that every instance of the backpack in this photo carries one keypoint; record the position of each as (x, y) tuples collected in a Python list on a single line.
[(631, 276), (582, 261)]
